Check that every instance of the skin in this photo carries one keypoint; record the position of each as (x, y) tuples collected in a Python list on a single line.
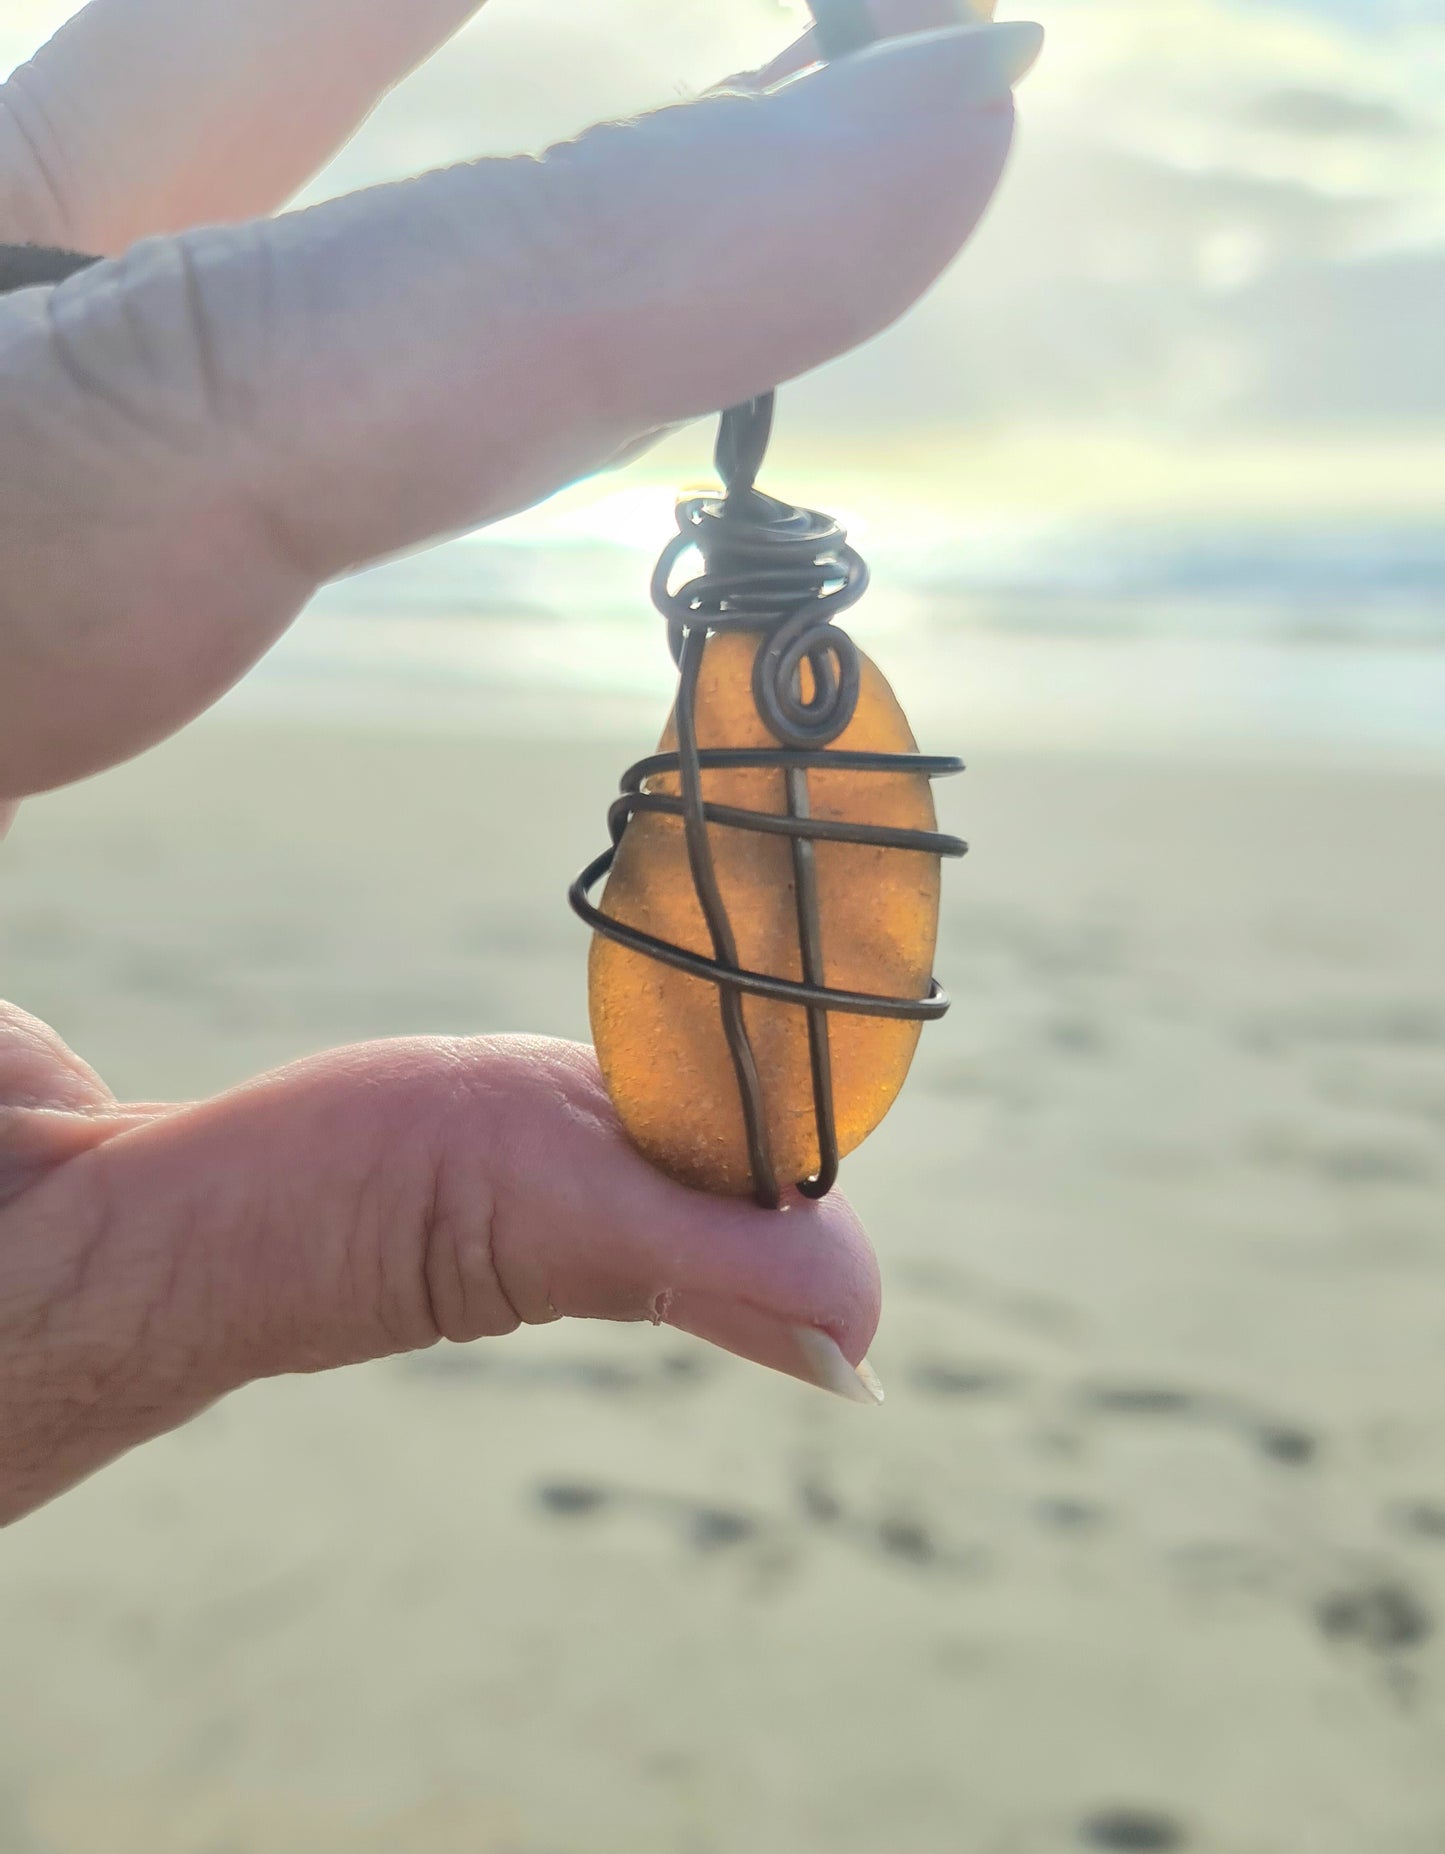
[(375, 1199)]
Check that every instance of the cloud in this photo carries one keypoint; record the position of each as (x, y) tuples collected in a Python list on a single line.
[(1326, 113), (1372, 15), (1354, 343)]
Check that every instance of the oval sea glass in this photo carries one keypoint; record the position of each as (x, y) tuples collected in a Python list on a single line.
[(659, 1032)]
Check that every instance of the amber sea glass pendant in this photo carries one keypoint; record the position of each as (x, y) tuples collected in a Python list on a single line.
[(763, 949)]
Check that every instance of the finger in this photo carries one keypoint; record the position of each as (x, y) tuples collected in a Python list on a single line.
[(216, 424), (146, 116), (50, 1102), (367, 1203), (38, 1070)]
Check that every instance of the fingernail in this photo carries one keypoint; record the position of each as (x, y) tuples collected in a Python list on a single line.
[(969, 64), (826, 1366), (805, 1352), (1017, 44)]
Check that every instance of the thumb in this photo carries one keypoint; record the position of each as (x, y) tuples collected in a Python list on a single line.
[(369, 1202)]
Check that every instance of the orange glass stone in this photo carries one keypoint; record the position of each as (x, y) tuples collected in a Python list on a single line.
[(659, 1031)]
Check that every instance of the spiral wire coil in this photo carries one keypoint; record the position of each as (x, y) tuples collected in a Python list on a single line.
[(784, 573)]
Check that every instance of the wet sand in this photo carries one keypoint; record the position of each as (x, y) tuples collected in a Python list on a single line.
[(1146, 1549)]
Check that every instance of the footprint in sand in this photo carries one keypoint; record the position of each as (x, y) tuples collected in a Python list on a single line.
[(938, 1378), (707, 1528), (1421, 1519), (1385, 1617), (903, 1537), (714, 1526), (1132, 1831), (1290, 1444), (909, 1539), (818, 1501), (1146, 1400), (571, 1499), (1061, 1514)]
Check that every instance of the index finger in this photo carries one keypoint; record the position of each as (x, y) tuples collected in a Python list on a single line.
[(197, 436)]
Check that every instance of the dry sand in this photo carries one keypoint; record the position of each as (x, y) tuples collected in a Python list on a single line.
[(1147, 1548)]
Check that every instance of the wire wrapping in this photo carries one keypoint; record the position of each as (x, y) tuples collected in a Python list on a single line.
[(785, 573)]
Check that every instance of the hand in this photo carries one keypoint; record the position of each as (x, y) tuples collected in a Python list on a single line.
[(196, 436)]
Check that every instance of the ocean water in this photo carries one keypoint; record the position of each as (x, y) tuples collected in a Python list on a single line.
[(1202, 637)]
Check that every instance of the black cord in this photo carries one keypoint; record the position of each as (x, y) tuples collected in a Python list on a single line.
[(842, 26)]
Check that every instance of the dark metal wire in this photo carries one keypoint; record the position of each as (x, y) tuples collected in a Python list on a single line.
[(783, 573)]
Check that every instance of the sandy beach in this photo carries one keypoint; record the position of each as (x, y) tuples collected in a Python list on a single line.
[(1146, 1549)]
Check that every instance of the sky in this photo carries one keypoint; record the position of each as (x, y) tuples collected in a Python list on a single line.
[(1218, 260)]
